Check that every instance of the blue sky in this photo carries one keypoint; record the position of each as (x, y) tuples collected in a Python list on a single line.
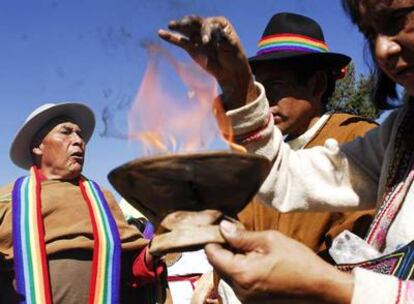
[(91, 51)]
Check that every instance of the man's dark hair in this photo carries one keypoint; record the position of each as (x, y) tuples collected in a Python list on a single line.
[(384, 88)]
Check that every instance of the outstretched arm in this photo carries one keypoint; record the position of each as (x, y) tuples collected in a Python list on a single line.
[(323, 179)]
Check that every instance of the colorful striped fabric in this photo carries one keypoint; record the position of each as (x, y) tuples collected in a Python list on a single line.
[(30, 260), (107, 248), (290, 43), (32, 276)]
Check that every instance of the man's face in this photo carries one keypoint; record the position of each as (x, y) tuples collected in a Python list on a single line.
[(293, 105), (62, 150)]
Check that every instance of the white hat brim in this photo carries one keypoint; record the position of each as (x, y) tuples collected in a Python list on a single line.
[(82, 115)]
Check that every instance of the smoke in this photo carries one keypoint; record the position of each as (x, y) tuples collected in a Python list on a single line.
[(114, 119)]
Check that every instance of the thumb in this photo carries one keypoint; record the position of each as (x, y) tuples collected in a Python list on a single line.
[(239, 239)]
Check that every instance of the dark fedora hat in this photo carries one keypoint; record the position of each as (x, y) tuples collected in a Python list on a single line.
[(296, 39)]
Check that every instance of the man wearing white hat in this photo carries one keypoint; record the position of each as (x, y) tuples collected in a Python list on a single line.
[(63, 239)]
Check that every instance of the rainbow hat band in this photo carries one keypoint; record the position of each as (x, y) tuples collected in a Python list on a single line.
[(296, 39), (287, 42)]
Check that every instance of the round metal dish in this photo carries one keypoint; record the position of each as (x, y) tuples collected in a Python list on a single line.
[(157, 186)]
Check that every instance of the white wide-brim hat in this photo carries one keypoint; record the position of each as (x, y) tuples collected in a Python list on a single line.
[(82, 115)]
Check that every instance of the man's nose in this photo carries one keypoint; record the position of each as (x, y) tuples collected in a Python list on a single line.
[(387, 48), (77, 139)]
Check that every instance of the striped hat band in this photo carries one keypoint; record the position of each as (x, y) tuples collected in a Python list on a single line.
[(290, 43)]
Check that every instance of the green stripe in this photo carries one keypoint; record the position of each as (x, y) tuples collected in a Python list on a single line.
[(31, 278), (292, 43)]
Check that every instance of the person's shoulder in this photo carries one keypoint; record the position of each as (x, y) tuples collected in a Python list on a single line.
[(347, 119), (109, 195), (6, 193), (345, 127), (107, 192)]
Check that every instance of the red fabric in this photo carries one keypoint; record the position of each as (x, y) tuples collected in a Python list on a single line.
[(40, 175), (191, 278), (41, 233), (144, 274)]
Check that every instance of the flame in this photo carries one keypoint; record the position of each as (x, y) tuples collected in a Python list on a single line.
[(175, 109), (225, 126)]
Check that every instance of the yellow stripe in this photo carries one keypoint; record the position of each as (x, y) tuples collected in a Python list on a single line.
[(292, 39), (34, 240)]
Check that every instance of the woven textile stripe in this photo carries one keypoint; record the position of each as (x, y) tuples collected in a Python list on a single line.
[(32, 275), (106, 260), (377, 233), (290, 42), (30, 262)]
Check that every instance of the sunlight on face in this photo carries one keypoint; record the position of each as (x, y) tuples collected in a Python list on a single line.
[(62, 151), (389, 28)]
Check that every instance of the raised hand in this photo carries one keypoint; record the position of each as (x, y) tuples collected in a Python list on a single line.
[(215, 46)]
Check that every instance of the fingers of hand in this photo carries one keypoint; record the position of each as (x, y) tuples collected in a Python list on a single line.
[(221, 259), (199, 30), (188, 26), (216, 30), (175, 38), (205, 284), (242, 240), (196, 34), (186, 22)]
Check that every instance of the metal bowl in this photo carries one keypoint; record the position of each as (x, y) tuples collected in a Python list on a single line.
[(157, 186)]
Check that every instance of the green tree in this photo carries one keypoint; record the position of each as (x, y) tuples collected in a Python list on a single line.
[(353, 94)]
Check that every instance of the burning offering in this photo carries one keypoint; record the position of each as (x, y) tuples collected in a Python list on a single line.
[(160, 186), (181, 190)]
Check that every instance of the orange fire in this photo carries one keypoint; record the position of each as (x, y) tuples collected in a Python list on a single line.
[(173, 110)]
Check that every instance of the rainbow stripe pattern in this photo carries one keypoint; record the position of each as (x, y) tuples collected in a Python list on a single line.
[(291, 43), (107, 248), (30, 262), (32, 276)]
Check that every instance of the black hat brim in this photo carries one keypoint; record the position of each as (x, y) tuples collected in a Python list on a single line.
[(315, 60)]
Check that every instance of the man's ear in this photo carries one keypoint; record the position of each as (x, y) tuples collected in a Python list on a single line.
[(37, 151), (320, 84)]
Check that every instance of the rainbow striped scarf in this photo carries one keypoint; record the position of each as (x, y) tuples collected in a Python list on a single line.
[(30, 261)]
